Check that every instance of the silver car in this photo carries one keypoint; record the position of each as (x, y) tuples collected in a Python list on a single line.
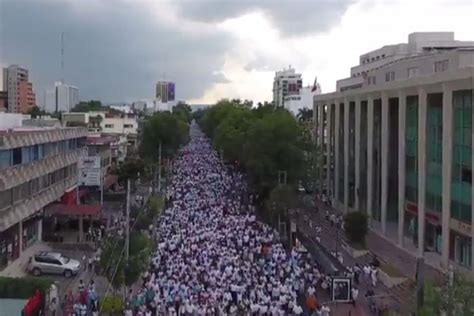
[(53, 263)]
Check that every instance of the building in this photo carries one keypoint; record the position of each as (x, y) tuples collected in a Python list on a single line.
[(165, 91), (3, 101), (62, 98), (286, 83), (37, 165), (21, 97), (400, 148), (304, 98), (418, 44)]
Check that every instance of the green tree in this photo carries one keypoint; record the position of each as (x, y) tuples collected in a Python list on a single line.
[(35, 112), (131, 168), (304, 114), (92, 105), (356, 227), (183, 111), (113, 260), (166, 129), (454, 300)]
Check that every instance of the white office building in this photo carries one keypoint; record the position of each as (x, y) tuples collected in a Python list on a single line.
[(399, 146), (286, 83), (62, 98), (419, 44), (304, 99)]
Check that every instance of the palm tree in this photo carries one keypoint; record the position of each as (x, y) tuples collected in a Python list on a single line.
[(304, 114)]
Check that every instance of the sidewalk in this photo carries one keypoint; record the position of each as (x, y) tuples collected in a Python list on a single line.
[(17, 268), (305, 220)]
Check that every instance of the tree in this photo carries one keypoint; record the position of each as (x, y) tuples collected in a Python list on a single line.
[(183, 111), (166, 129), (131, 168), (35, 112), (454, 300), (113, 259), (304, 114), (356, 226), (92, 105)]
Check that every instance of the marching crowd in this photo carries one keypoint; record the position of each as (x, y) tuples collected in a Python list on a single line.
[(215, 259)]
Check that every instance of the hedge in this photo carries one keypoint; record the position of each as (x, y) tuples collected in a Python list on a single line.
[(22, 287)]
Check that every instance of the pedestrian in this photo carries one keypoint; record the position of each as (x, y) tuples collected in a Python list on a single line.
[(53, 306), (355, 294), (90, 262), (84, 261)]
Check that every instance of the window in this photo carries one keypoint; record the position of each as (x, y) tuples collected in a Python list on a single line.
[(5, 158), (466, 175), (34, 186), (109, 125), (441, 65), (412, 72), (17, 153), (5, 198), (128, 125), (390, 76), (371, 80)]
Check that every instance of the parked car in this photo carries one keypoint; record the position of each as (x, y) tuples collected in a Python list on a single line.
[(46, 262)]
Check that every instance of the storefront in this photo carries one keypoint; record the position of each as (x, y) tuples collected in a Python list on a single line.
[(9, 249), (460, 244), (433, 230)]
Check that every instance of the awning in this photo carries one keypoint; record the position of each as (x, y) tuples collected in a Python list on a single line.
[(74, 210), (110, 180)]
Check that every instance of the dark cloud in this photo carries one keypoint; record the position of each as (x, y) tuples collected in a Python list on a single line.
[(114, 51), (291, 17)]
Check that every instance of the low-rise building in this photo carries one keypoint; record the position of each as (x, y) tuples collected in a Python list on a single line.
[(37, 165)]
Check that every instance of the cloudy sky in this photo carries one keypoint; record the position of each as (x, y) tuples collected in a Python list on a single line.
[(115, 50)]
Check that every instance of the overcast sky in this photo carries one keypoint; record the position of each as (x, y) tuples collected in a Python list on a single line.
[(115, 50)]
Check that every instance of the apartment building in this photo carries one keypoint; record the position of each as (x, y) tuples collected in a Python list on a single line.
[(20, 95), (37, 166), (399, 147), (286, 83)]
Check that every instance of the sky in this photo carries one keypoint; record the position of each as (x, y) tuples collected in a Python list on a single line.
[(116, 50)]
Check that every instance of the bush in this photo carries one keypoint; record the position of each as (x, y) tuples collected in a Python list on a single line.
[(355, 226), (112, 305), (22, 287)]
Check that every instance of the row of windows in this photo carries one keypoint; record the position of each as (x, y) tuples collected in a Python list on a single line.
[(124, 125), (23, 155), (28, 189)]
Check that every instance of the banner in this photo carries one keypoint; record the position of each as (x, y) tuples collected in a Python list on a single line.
[(89, 171)]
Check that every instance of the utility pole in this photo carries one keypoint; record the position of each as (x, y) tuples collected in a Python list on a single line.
[(159, 169), (127, 226)]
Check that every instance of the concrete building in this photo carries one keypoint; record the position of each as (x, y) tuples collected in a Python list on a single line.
[(37, 165), (3, 101), (286, 83), (304, 99), (62, 98), (400, 148), (419, 44), (21, 97)]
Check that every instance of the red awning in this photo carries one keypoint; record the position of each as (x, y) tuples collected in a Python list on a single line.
[(74, 210), (110, 180)]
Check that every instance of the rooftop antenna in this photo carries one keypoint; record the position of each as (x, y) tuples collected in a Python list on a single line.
[(62, 57)]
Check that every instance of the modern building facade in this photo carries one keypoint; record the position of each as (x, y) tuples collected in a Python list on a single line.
[(419, 44), (3, 101), (304, 99), (21, 97), (62, 98), (37, 165), (399, 147), (286, 83)]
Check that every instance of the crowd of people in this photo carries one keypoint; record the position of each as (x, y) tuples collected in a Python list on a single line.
[(214, 258)]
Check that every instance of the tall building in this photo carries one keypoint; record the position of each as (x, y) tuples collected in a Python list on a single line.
[(165, 91), (400, 148), (3, 101), (37, 166), (63, 98), (286, 83), (303, 99), (21, 97)]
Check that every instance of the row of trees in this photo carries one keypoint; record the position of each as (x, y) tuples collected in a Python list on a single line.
[(262, 141)]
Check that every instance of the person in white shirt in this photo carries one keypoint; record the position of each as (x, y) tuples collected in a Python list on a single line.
[(297, 310), (355, 294)]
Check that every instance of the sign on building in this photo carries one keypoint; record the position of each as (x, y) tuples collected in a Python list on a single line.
[(89, 171)]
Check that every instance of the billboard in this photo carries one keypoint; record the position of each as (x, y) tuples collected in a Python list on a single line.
[(171, 91), (89, 171)]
